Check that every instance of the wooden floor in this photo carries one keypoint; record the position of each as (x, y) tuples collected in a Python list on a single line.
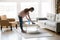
[(11, 35)]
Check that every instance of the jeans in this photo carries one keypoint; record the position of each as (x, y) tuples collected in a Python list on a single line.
[(21, 23)]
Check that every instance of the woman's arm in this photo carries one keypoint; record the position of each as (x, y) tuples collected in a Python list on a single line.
[(30, 19), (27, 18)]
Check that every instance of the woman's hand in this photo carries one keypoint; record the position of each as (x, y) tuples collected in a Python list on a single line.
[(33, 23)]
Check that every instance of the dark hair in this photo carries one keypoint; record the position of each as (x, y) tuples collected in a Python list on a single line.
[(31, 8), (26, 10)]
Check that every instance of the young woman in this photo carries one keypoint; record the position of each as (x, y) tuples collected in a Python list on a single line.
[(25, 13)]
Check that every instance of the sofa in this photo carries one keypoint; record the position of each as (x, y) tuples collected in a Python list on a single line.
[(52, 23)]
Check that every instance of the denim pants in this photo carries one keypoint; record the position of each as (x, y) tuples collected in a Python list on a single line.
[(21, 23)]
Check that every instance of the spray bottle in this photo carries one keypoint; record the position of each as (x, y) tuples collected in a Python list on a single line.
[(28, 21)]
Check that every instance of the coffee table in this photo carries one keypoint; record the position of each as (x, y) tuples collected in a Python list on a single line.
[(32, 26)]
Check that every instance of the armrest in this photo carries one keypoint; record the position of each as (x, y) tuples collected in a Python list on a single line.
[(11, 19), (58, 27)]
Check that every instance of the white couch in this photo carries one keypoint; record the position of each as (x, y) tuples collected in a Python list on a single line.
[(52, 22)]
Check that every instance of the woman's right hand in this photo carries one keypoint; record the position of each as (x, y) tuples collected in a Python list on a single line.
[(33, 23)]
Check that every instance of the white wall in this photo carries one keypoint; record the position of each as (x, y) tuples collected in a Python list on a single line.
[(47, 6)]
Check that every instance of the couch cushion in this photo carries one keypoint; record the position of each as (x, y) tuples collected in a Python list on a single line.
[(57, 17), (51, 17), (3, 17), (51, 23)]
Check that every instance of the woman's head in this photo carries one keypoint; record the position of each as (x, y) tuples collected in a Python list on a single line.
[(30, 9)]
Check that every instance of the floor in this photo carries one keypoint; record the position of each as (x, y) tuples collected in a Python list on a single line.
[(13, 35)]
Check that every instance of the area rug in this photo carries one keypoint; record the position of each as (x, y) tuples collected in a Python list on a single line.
[(36, 34)]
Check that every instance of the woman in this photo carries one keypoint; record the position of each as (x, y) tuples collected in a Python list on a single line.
[(25, 13)]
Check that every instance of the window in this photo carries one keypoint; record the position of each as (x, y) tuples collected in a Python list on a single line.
[(9, 9), (45, 8)]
